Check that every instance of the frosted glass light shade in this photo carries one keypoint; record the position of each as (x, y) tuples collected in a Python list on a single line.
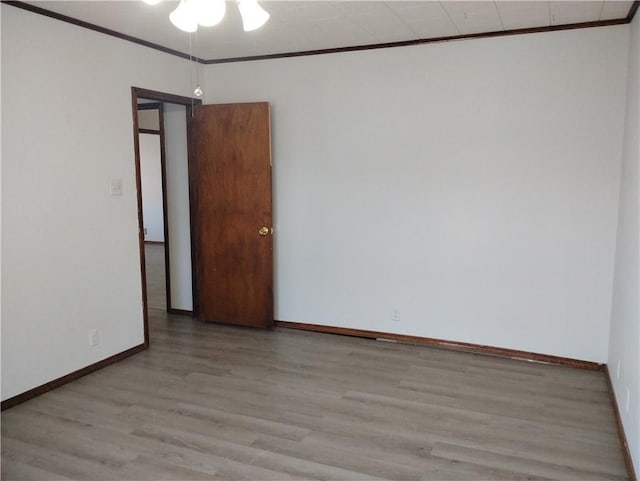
[(253, 16), (208, 12), (152, 2), (183, 17)]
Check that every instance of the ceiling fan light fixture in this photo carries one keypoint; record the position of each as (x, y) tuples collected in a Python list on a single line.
[(208, 12), (183, 17), (253, 15)]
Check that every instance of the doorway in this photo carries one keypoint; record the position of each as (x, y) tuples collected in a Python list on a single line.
[(161, 157), (154, 208)]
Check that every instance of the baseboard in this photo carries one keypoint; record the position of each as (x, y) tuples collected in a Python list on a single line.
[(37, 391), (440, 343), (621, 434), (182, 312)]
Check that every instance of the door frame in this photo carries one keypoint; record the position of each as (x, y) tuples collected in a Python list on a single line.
[(189, 103)]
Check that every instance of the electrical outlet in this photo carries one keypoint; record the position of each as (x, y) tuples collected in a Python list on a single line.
[(395, 315), (628, 403), (93, 338), (115, 186), (618, 370)]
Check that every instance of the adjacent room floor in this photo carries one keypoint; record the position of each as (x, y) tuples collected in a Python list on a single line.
[(218, 402), (155, 270)]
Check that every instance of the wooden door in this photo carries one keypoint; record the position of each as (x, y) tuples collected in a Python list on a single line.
[(230, 178)]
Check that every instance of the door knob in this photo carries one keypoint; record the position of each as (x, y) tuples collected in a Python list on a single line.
[(263, 231)]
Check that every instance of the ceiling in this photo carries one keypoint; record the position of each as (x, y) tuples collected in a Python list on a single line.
[(297, 26)]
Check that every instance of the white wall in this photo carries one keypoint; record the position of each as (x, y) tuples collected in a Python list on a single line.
[(179, 226), (69, 249), (151, 174), (624, 344), (472, 186)]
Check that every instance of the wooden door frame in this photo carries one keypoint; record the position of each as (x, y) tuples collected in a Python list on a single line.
[(189, 103)]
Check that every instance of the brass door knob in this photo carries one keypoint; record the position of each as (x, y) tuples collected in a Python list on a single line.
[(263, 231)]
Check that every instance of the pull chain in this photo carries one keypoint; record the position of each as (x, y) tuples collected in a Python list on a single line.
[(198, 91)]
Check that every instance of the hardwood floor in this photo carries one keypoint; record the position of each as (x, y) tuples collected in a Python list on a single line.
[(156, 286), (218, 402)]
